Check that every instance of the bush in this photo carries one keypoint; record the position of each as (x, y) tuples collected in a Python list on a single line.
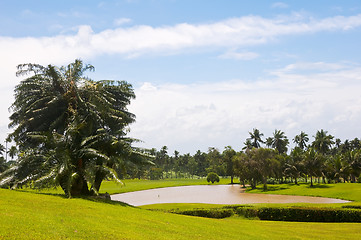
[(212, 177), (303, 214), (208, 213)]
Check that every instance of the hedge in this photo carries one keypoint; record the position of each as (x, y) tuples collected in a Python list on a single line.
[(208, 213), (300, 214)]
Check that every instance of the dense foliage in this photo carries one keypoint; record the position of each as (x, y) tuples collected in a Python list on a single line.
[(70, 130), (325, 159)]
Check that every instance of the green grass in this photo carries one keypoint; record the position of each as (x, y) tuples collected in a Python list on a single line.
[(131, 185), (27, 215), (347, 191)]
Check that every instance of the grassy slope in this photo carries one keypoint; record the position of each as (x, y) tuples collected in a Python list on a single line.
[(25, 215)]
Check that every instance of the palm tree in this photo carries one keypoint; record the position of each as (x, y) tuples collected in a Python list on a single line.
[(2, 149), (312, 163), (301, 140), (322, 142), (293, 165), (247, 145), (13, 151), (256, 138), (70, 129), (279, 141)]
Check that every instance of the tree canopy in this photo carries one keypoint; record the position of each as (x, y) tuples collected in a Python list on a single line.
[(70, 130)]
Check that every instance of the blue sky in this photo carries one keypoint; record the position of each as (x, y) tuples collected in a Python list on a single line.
[(204, 72)]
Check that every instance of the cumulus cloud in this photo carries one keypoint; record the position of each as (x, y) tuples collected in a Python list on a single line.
[(220, 110), (188, 117)]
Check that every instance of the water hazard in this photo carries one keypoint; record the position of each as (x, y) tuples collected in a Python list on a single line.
[(214, 194)]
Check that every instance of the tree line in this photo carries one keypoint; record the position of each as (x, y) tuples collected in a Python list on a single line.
[(325, 159)]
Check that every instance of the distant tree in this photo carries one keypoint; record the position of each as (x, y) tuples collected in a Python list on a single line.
[(216, 163), (279, 141), (256, 138), (227, 156), (293, 165), (247, 145), (13, 151), (202, 164), (301, 140), (2, 149), (322, 142), (212, 177), (312, 163)]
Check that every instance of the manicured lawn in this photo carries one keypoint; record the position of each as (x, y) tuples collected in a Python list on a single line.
[(347, 191), (27, 215), (131, 185)]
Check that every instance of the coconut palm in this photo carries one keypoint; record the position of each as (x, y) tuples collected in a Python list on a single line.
[(323, 142), (279, 141), (312, 163), (70, 129), (256, 138), (301, 140)]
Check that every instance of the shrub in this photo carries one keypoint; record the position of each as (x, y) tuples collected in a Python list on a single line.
[(309, 214), (212, 177), (208, 213)]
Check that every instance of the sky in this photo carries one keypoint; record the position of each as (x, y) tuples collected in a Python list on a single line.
[(205, 72)]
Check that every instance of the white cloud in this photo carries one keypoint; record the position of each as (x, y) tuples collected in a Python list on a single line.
[(210, 112), (279, 5), (121, 21), (239, 55), (188, 117)]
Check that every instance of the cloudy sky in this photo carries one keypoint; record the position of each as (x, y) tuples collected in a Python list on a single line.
[(205, 72)]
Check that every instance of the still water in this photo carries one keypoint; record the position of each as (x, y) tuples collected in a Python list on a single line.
[(216, 194)]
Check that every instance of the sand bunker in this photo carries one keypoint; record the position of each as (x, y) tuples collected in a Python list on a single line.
[(216, 194)]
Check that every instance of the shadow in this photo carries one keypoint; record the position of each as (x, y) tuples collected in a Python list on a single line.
[(319, 186), (98, 199), (42, 193)]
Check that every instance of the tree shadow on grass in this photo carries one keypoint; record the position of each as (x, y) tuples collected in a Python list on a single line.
[(319, 186), (98, 199)]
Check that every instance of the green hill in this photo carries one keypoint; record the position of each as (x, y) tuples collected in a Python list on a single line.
[(27, 215)]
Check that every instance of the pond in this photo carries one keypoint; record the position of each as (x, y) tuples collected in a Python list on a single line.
[(214, 194)]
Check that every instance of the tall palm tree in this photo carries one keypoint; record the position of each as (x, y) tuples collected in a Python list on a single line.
[(312, 163), (279, 141), (256, 138), (323, 141), (301, 140), (71, 129)]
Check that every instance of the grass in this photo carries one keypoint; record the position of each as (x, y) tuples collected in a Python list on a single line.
[(346, 191), (131, 185), (27, 215)]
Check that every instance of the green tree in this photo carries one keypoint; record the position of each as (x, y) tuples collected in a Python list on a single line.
[(256, 138), (212, 177), (301, 140), (227, 156), (70, 130), (279, 141), (322, 142), (13, 151), (312, 163), (293, 165)]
